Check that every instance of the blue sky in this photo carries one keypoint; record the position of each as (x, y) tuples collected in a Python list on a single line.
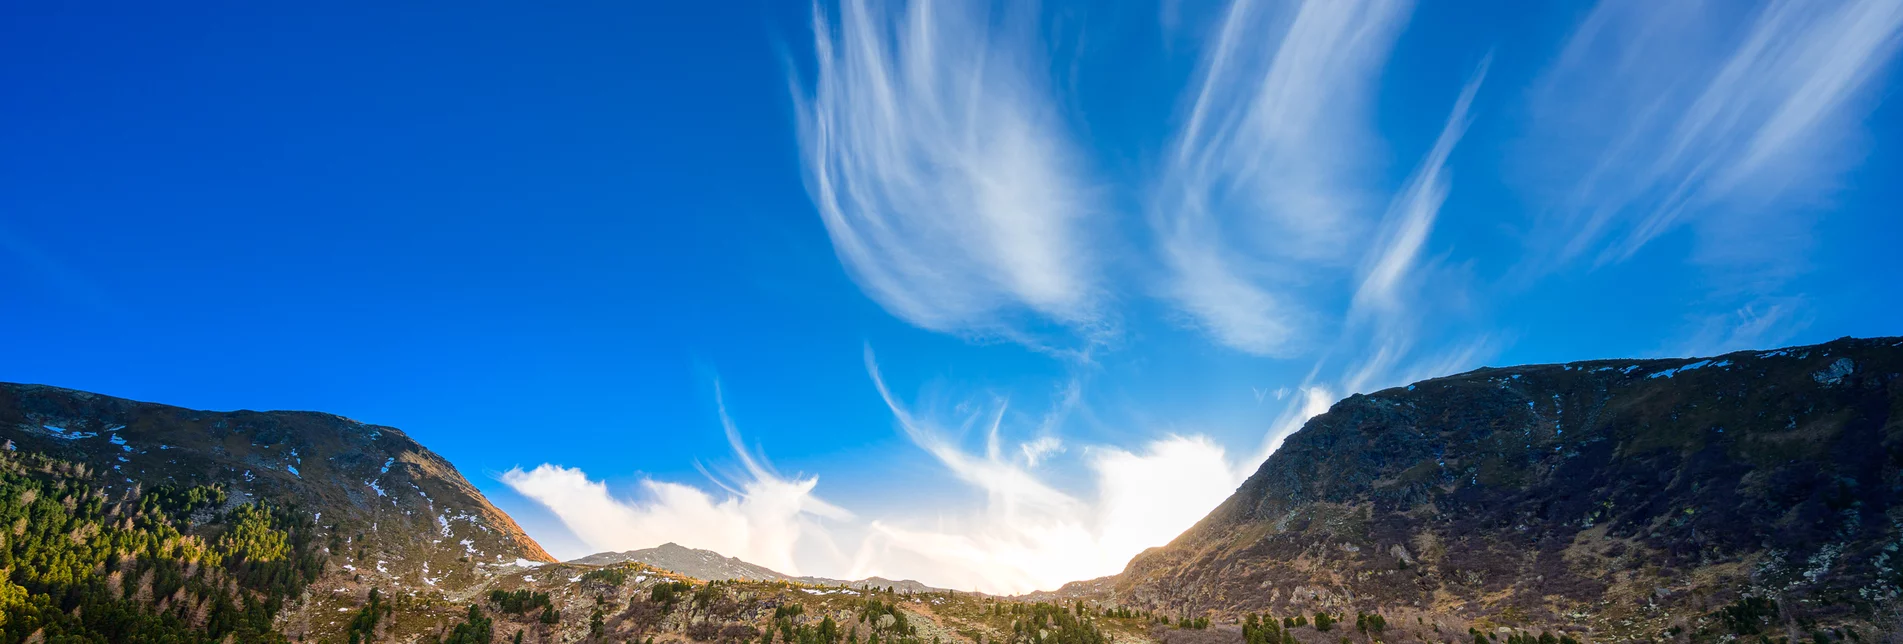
[(990, 296)]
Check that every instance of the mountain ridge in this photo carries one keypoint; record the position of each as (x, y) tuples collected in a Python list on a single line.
[(1687, 499), (713, 566), (232, 496), (263, 449), (1718, 497)]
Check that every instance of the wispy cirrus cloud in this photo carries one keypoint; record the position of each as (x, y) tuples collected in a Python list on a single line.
[(1379, 342), (1264, 189), (1658, 115), (954, 195), (1040, 448), (1390, 265), (944, 171), (1763, 321), (1734, 120), (1393, 296)]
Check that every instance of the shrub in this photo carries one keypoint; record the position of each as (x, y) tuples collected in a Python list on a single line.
[(517, 602), (1748, 615), (670, 593), (606, 576), (475, 629)]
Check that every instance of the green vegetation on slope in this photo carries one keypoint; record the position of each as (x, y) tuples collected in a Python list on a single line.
[(82, 564), (363, 627), (1044, 623)]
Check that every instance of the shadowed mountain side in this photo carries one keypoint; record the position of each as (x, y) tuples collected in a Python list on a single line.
[(1753, 492), (396, 502)]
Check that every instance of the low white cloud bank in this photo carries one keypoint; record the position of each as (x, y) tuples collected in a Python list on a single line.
[(1021, 532), (761, 523), (1028, 536), (763, 520), (1031, 535)]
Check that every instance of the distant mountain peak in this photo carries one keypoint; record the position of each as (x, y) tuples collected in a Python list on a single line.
[(713, 566), (693, 562)]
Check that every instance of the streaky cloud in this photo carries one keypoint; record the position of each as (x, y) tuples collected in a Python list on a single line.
[(1310, 400), (1411, 217), (1261, 191), (943, 171), (1658, 115), (1762, 321), (991, 472), (1393, 298), (1384, 319)]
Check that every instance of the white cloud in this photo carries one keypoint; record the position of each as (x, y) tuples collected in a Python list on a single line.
[(1312, 402), (762, 524), (943, 171), (1260, 191), (1039, 449), (1146, 499), (1411, 217), (1391, 302), (1013, 545), (768, 520), (1023, 533), (1660, 114), (1029, 534), (945, 178), (1761, 323)]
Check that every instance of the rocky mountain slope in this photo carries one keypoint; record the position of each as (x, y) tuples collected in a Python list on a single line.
[(713, 566), (403, 498), (1754, 494), (382, 510), (135, 521)]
